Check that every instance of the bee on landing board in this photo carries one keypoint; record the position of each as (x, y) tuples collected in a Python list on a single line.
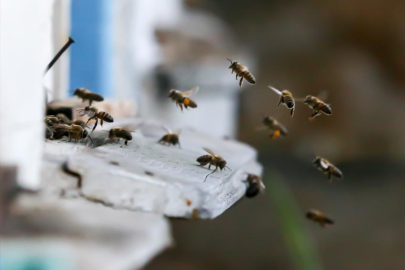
[(75, 132), (120, 133), (86, 94), (275, 127), (183, 98), (170, 138), (255, 185), (93, 113), (319, 217), (286, 98), (318, 106), (242, 72), (212, 159), (328, 168)]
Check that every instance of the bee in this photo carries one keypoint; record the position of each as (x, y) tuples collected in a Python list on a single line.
[(212, 159), (255, 185), (120, 133), (63, 119), (86, 94), (319, 217), (318, 106), (171, 138), (79, 122), (51, 120), (242, 72), (328, 168), (93, 113), (75, 132), (276, 128), (183, 98), (286, 98)]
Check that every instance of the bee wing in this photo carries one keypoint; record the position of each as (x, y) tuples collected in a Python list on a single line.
[(168, 130), (209, 151), (191, 91), (178, 131), (323, 95), (262, 187), (278, 92), (324, 164), (89, 113)]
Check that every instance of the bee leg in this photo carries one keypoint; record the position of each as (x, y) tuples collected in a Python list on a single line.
[(126, 143), (101, 122), (181, 107), (281, 100), (90, 101), (210, 173), (241, 81), (179, 145), (330, 176), (236, 76), (292, 111), (314, 114), (95, 125), (88, 120)]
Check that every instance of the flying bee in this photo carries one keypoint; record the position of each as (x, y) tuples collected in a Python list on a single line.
[(286, 98), (276, 128), (319, 217), (242, 72), (86, 94), (255, 185), (183, 98), (318, 106), (120, 133), (93, 113), (171, 138), (63, 119), (75, 132), (212, 159), (328, 168)]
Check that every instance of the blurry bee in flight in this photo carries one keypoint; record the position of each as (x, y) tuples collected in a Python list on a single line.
[(120, 133), (86, 94), (276, 129), (255, 185), (318, 106), (171, 138), (183, 98), (75, 132), (286, 98), (212, 159), (328, 168), (63, 119), (242, 72), (319, 217), (93, 113)]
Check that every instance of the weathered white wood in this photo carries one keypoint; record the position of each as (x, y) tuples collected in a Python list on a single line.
[(82, 235), (177, 187)]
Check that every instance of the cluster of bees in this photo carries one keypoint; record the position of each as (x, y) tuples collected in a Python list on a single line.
[(60, 126)]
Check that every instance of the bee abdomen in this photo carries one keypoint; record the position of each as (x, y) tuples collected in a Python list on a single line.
[(252, 190), (105, 117), (289, 101), (95, 97), (204, 159), (189, 103), (336, 172), (326, 109), (249, 77)]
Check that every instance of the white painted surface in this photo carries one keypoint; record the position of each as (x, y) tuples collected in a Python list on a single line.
[(25, 51), (177, 188)]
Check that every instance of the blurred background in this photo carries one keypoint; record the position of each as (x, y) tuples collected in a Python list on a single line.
[(138, 50)]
